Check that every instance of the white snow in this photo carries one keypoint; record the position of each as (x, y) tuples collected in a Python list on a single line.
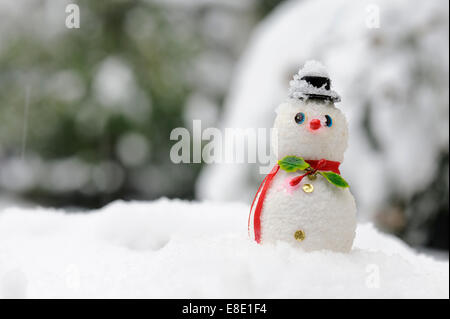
[(313, 67), (173, 248)]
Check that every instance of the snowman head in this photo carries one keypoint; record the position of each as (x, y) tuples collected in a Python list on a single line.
[(308, 124)]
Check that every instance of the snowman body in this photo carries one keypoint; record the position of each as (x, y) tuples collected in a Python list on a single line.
[(324, 218)]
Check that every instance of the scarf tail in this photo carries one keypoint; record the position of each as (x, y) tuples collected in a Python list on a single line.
[(254, 219)]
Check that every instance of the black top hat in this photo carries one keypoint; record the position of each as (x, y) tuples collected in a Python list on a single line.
[(312, 82)]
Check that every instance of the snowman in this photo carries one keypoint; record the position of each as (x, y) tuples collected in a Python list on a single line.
[(304, 200)]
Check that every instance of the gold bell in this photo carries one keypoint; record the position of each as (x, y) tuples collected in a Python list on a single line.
[(308, 188), (299, 235)]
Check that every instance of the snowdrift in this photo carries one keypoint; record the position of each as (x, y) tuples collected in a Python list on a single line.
[(179, 249)]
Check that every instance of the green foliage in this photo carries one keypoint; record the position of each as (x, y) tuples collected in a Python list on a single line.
[(66, 116), (292, 164), (334, 179)]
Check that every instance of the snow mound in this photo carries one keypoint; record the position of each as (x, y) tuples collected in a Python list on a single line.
[(179, 249)]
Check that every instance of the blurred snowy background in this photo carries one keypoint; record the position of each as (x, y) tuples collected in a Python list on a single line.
[(85, 114)]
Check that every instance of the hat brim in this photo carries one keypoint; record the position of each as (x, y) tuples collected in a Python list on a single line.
[(323, 97)]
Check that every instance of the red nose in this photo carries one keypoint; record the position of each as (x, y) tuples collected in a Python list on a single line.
[(314, 124)]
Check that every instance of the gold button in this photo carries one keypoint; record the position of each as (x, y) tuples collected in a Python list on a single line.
[(308, 188), (299, 235), (312, 176)]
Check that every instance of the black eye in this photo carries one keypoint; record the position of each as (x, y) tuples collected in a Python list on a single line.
[(328, 120), (299, 118)]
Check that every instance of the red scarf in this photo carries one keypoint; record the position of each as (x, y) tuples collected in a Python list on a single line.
[(315, 165), (320, 165)]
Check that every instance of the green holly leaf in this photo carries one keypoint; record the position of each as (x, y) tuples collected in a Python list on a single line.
[(334, 179), (292, 164)]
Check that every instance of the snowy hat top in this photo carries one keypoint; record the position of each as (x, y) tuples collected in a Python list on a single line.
[(312, 81)]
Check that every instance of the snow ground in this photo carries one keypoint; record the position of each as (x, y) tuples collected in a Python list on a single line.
[(179, 249)]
